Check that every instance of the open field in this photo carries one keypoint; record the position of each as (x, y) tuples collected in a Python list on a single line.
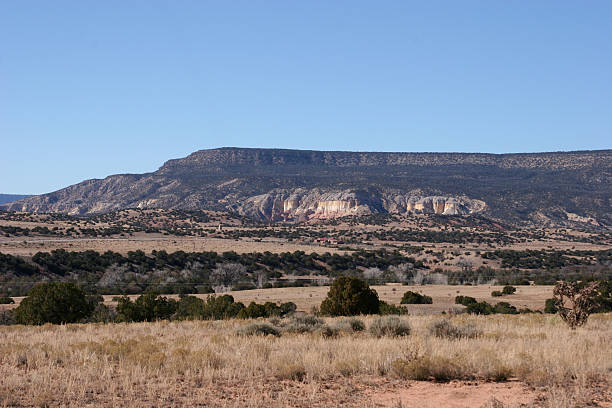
[(525, 360), (149, 242), (443, 296)]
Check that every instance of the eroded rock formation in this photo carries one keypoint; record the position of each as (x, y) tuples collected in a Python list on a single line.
[(304, 204)]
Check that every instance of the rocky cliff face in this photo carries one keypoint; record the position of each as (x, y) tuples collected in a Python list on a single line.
[(275, 184), (303, 204)]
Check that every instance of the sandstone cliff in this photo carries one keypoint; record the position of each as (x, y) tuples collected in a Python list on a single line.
[(303, 204)]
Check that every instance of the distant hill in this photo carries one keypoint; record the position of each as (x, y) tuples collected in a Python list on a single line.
[(293, 185), (8, 198)]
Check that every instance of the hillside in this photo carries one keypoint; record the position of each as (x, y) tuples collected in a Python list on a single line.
[(297, 185)]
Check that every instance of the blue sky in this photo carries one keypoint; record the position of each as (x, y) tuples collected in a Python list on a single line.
[(93, 88)]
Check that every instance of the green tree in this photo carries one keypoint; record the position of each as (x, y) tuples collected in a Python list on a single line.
[(350, 296), (550, 306), (54, 302), (146, 308), (190, 307)]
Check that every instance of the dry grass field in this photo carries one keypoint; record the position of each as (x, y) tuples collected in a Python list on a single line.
[(149, 242), (521, 360), (443, 296)]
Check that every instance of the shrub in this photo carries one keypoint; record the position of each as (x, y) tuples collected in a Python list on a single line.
[(54, 302), (328, 331), (389, 326), (465, 300), (290, 371), (417, 370), (508, 290), (101, 314), (7, 317), (440, 368), (351, 324), (221, 307), (303, 324), (604, 298), (258, 329), (146, 308), (414, 298), (190, 308), (479, 308), (5, 300), (350, 296), (387, 309), (253, 311), (444, 329), (496, 293), (504, 308)]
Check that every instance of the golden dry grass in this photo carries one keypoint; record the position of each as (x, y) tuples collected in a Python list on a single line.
[(205, 363)]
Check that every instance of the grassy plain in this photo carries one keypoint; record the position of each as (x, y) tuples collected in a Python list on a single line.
[(533, 360), (443, 296)]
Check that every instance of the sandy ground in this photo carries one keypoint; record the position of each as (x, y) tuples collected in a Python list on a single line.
[(457, 394)]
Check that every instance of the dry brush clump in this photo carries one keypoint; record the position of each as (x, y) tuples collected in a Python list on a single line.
[(136, 364), (443, 328)]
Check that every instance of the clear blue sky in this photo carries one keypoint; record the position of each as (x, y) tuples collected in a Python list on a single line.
[(93, 88)]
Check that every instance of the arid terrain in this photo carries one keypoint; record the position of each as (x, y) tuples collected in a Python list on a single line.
[(526, 360), (513, 361)]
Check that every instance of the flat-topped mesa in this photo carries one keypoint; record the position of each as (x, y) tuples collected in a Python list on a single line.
[(278, 184), (233, 156)]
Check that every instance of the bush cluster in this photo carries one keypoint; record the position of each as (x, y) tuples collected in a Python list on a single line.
[(151, 307), (415, 298), (63, 302), (507, 290)]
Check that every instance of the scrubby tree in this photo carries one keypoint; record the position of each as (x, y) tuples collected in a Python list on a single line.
[(350, 296), (55, 302), (225, 275), (401, 272), (146, 308), (575, 303)]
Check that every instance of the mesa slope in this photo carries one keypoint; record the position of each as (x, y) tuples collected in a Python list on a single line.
[(564, 188)]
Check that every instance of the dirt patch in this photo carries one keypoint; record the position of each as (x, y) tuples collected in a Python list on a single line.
[(425, 394)]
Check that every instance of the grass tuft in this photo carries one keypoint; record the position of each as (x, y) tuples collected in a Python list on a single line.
[(391, 326), (258, 329)]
